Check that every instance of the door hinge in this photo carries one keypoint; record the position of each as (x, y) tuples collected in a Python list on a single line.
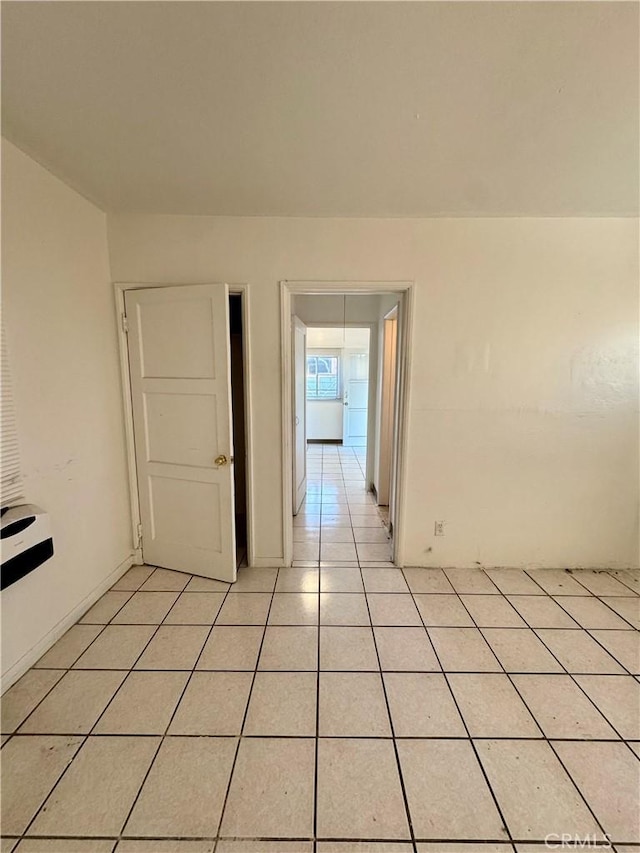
[(139, 532), (125, 323)]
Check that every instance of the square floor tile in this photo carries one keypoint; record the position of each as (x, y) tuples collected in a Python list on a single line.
[(145, 608), (337, 535), (20, 700), (294, 608), (443, 610), (195, 608), (370, 535), (144, 704), (166, 580), (463, 650), (422, 706), (384, 580), (578, 652), (448, 796), (627, 608), (492, 611), (344, 649), (174, 647), (540, 611), (306, 535), (105, 608), (337, 608), (165, 846), (341, 579), (533, 790), (282, 704), (608, 776), (561, 708), (618, 698), (74, 704), (557, 582), (405, 650), (231, 647), (134, 578), (491, 706), (592, 613), (471, 581), (184, 792), (244, 608), (117, 647), (601, 583), (428, 580), (337, 550), (519, 650), (624, 646), (352, 704), (70, 646), (307, 550), (513, 582), (30, 768), (96, 793), (255, 580), (289, 648), (369, 553), (213, 704), (298, 580), (272, 789), (392, 608), (359, 793)]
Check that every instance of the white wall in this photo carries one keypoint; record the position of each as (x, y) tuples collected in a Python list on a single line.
[(59, 317), (523, 426)]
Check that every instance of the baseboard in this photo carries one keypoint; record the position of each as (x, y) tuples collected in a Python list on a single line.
[(34, 654)]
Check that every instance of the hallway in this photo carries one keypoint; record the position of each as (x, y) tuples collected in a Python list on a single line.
[(339, 522)]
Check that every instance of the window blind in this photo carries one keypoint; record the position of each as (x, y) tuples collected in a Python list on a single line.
[(11, 480)]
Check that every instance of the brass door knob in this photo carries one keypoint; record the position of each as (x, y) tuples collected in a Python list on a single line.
[(220, 460)]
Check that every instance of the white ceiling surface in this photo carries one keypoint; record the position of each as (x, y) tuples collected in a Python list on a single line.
[(330, 109)]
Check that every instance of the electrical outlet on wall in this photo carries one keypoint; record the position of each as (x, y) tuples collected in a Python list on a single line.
[(438, 528)]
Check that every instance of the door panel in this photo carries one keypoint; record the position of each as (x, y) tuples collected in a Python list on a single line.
[(181, 392), (356, 398), (299, 413)]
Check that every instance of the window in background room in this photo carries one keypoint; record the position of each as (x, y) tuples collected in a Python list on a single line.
[(323, 377)]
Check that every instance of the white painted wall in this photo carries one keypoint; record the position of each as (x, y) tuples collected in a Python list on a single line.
[(523, 427), (59, 318)]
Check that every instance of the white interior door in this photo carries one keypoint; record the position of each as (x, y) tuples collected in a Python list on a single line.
[(179, 357), (299, 331), (355, 398)]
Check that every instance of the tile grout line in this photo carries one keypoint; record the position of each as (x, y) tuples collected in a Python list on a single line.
[(505, 825), (244, 716)]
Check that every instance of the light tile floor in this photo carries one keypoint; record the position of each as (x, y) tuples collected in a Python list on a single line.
[(330, 709)]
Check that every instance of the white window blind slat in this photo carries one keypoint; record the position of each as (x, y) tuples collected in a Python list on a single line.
[(10, 477)]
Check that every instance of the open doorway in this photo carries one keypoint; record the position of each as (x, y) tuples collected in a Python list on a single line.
[(343, 514)]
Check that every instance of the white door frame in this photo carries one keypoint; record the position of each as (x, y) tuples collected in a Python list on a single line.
[(288, 289), (136, 524)]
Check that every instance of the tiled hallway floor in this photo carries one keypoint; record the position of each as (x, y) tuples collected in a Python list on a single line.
[(339, 705), (338, 522)]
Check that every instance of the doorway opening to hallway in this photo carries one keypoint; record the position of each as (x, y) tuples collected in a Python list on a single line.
[(344, 402)]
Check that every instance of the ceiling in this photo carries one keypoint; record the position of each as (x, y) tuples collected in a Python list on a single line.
[(330, 109)]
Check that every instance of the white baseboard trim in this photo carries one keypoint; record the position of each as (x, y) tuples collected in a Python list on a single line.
[(35, 653)]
